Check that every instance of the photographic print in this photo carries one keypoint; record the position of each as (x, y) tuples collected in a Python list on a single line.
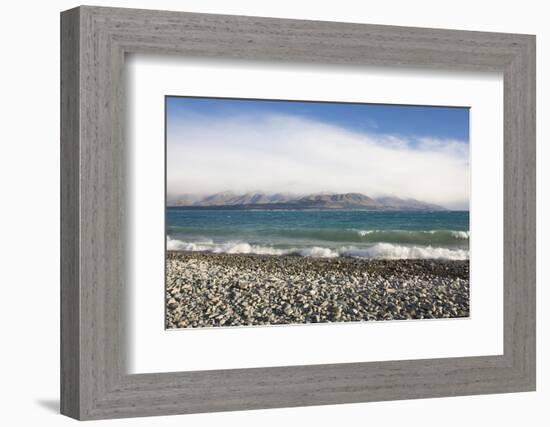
[(297, 212)]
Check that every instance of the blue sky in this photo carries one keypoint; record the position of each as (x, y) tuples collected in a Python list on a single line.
[(415, 152), (396, 120)]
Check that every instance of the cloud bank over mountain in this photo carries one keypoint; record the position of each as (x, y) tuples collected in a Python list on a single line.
[(276, 153)]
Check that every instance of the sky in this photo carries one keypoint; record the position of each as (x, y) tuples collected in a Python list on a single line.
[(216, 144)]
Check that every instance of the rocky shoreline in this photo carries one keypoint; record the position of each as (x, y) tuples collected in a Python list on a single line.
[(207, 289)]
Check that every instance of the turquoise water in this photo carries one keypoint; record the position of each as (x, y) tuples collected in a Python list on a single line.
[(371, 234)]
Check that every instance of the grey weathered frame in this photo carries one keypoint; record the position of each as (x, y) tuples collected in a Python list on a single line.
[(94, 41)]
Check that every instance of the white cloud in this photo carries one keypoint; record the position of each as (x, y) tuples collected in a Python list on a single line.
[(278, 153)]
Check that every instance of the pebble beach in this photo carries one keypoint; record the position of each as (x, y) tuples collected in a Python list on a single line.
[(205, 289)]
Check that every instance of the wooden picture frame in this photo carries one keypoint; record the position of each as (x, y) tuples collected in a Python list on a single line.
[(94, 382)]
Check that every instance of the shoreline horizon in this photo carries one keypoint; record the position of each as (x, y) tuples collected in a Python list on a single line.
[(240, 207)]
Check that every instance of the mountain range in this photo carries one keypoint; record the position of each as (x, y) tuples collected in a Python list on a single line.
[(261, 200)]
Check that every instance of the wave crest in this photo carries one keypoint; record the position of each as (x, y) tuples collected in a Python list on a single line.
[(392, 251), (375, 251), (411, 234)]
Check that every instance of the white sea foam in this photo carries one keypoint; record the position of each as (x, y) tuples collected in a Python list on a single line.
[(378, 250), (392, 251), (461, 234), (318, 252), (365, 232), (178, 245), (246, 248), (456, 234)]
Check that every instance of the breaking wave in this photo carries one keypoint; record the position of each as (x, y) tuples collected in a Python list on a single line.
[(391, 251), (375, 251), (441, 237)]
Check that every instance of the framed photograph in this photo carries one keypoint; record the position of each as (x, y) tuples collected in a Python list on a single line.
[(275, 230), (262, 213)]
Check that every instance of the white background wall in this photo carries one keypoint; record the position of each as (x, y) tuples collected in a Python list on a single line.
[(29, 236)]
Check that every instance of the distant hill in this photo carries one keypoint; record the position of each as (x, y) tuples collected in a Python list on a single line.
[(412, 204), (260, 200), (228, 198), (338, 201)]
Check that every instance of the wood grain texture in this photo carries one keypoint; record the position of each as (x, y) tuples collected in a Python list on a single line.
[(95, 383), (70, 263)]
